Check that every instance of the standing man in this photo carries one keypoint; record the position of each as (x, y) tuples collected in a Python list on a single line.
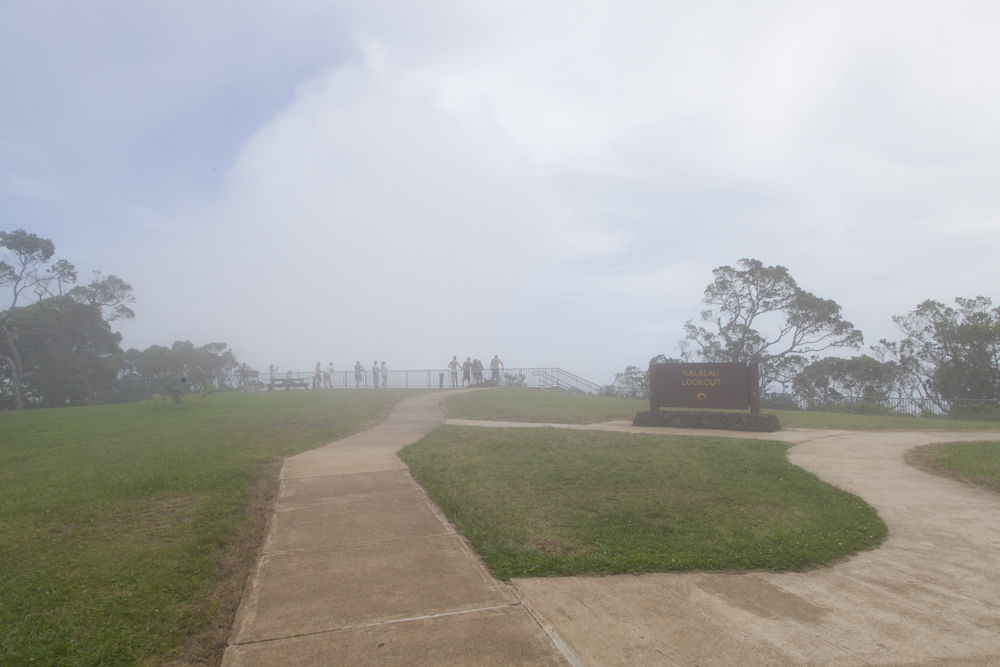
[(384, 370), (327, 375), (495, 366), (358, 374), (318, 377), (466, 370), (453, 365), (375, 374)]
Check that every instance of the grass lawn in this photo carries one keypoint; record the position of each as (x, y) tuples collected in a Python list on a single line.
[(975, 463), (118, 520), (537, 406), (537, 502)]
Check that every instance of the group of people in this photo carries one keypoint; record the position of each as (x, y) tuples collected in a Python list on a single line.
[(472, 370), (472, 373), (378, 372)]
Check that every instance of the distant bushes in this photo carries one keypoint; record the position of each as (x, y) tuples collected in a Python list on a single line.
[(858, 408), (984, 411)]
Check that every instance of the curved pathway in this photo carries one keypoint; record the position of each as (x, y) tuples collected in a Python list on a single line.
[(359, 567), (930, 595)]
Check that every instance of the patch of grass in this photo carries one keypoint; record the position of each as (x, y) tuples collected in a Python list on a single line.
[(860, 422), (537, 406), (976, 463), (122, 523), (540, 502)]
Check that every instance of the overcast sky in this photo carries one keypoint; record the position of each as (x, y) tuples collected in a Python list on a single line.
[(552, 182)]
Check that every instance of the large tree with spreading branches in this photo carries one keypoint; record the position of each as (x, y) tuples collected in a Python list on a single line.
[(759, 314)]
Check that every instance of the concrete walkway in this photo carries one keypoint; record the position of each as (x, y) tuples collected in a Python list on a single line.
[(929, 596), (360, 568)]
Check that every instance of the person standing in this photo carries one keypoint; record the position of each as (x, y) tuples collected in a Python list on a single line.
[(359, 371), (384, 370), (328, 376), (453, 365), (317, 376), (466, 371), (495, 366), (375, 374)]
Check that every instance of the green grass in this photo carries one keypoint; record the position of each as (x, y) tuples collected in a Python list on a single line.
[(537, 406), (114, 517), (538, 502), (976, 463)]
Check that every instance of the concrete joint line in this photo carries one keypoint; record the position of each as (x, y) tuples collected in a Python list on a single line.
[(402, 466), (547, 628), (357, 544), (423, 618), (370, 625)]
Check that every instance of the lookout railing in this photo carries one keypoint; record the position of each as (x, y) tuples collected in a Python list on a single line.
[(133, 389)]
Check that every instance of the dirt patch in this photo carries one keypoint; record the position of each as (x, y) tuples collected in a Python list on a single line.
[(547, 546), (236, 559)]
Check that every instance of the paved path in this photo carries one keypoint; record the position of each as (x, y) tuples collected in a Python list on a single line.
[(360, 568), (929, 596)]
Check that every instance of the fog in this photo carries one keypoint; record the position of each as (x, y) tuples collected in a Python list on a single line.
[(549, 182)]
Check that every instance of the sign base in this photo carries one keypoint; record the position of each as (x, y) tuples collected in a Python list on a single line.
[(723, 421)]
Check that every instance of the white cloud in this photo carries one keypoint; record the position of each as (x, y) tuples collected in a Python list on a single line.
[(22, 186), (551, 182)]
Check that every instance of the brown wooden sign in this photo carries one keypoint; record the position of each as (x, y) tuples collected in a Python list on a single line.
[(722, 386)]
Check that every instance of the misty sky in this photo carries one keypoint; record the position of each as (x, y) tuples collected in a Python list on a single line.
[(552, 182)]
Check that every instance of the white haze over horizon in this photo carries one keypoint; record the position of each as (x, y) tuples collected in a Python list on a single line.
[(550, 182)]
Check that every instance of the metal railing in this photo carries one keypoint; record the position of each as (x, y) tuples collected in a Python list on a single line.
[(557, 378), (134, 389), (965, 409), (427, 379)]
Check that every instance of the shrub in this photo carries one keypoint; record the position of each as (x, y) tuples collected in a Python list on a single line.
[(984, 411), (857, 408), (512, 380), (778, 402)]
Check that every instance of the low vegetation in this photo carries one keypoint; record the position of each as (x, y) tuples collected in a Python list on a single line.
[(539, 502), (537, 406), (128, 529), (976, 463)]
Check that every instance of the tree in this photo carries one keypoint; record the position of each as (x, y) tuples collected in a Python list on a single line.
[(950, 353), (106, 292), (68, 349), (832, 379), (633, 382), (27, 253), (759, 314), (210, 364), (24, 270)]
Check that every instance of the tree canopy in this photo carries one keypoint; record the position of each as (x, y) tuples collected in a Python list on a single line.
[(633, 382), (212, 364), (950, 353), (59, 345), (833, 379), (759, 314), (68, 350)]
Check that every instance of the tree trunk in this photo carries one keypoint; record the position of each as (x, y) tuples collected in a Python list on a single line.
[(14, 362)]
